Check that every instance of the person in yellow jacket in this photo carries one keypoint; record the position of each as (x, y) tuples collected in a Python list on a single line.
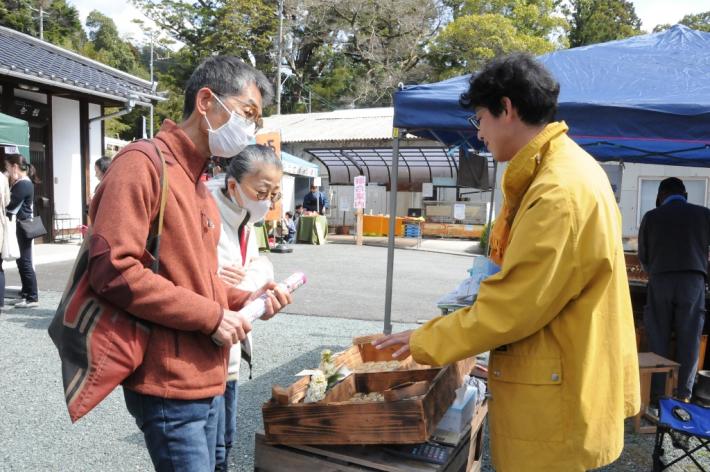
[(563, 371)]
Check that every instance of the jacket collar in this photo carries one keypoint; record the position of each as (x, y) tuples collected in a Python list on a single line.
[(524, 165), (182, 149)]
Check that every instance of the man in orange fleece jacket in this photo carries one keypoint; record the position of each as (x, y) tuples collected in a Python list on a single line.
[(174, 395)]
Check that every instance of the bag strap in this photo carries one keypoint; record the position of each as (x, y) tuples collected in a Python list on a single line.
[(153, 243)]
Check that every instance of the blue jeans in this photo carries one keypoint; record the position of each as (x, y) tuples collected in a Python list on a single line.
[(227, 429), (180, 434)]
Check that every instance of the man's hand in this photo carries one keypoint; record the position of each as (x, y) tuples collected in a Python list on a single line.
[(233, 275), (233, 328), (277, 298), (397, 339)]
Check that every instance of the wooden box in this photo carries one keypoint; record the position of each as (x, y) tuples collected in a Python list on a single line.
[(634, 270), (433, 229), (466, 456), (338, 420)]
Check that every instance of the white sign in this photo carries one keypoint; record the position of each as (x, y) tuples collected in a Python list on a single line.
[(360, 192), (459, 211), (316, 181), (428, 190)]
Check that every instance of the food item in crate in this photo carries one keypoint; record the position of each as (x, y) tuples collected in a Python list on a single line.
[(381, 366), (323, 378), (367, 397), (317, 387)]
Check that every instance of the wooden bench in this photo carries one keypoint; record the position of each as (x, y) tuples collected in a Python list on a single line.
[(649, 364), (466, 456)]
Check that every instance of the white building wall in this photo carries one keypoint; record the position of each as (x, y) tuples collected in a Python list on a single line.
[(34, 96), (95, 149), (67, 157), (288, 183), (343, 199)]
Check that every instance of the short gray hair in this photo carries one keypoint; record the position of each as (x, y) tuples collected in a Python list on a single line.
[(226, 76), (243, 163)]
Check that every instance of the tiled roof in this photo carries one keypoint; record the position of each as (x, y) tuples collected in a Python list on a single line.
[(340, 125), (29, 58)]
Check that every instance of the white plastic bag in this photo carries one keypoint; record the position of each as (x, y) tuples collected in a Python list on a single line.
[(10, 247)]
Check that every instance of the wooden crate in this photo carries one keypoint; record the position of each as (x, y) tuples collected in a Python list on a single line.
[(634, 270), (464, 231), (466, 456), (335, 420)]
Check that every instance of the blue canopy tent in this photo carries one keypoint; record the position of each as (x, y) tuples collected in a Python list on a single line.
[(644, 99)]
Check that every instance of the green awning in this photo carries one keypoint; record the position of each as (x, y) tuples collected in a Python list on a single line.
[(15, 132)]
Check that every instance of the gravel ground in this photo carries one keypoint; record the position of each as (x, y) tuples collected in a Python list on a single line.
[(36, 434), (35, 431)]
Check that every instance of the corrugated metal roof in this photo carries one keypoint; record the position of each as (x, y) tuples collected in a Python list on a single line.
[(362, 124), (31, 59)]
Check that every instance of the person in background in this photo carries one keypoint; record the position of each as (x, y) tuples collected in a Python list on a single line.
[(175, 395), (250, 188), (315, 201), (298, 212), (4, 202), (101, 166), (23, 179), (557, 318), (673, 249), (290, 228)]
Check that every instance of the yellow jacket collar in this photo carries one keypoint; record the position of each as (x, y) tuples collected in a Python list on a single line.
[(523, 166)]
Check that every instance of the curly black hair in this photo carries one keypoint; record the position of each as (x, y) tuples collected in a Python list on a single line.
[(530, 87)]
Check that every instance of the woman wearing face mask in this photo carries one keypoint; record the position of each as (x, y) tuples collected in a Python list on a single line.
[(22, 181), (251, 185)]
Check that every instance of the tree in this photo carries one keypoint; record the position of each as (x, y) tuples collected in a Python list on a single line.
[(484, 29), (355, 53), (598, 21), (699, 21), (108, 47), (61, 21), (242, 28), (340, 53)]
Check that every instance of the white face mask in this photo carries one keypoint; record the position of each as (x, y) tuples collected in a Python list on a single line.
[(257, 208), (232, 137)]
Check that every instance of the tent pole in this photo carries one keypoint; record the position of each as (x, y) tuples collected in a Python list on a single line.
[(393, 219), (490, 210)]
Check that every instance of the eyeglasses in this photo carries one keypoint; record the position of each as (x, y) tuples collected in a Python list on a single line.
[(251, 113), (274, 197), (475, 121)]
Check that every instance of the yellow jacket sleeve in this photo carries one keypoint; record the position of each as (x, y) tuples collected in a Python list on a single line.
[(538, 278)]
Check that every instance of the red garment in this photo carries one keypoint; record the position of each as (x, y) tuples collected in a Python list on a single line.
[(185, 301), (243, 236)]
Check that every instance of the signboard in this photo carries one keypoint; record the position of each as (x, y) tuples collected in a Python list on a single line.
[(316, 181), (360, 192), (273, 140), (31, 111), (459, 211)]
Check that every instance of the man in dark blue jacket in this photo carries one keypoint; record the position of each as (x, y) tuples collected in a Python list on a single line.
[(673, 248), (315, 201)]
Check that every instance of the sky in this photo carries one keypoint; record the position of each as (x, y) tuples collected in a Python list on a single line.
[(651, 12)]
